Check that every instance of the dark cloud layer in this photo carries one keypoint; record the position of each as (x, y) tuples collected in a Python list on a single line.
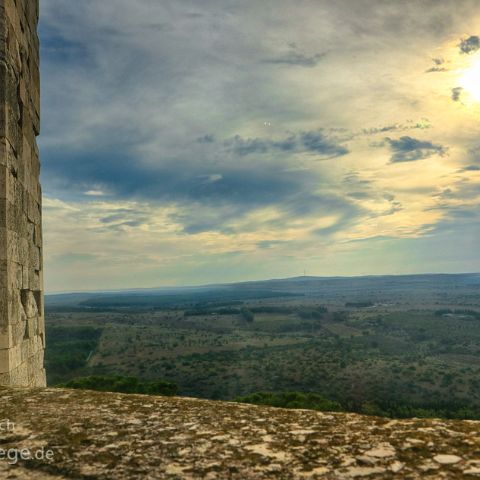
[(208, 194), (409, 149), (315, 142), (173, 180)]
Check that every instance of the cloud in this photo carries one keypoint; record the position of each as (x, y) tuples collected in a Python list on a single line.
[(422, 124), (471, 168), (214, 177), (354, 180), (408, 149), (359, 195), (436, 70), (316, 142), (207, 185), (470, 44), (274, 213), (298, 59), (207, 138), (456, 93), (94, 193), (266, 244), (343, 222), (438, 62), (288, 144), (386, 128), (246, 146)]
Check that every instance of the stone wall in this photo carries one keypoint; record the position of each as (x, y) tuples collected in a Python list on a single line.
[(95, 435), (22, 330)]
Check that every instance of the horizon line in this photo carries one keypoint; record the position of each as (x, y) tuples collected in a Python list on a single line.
[(216, 284)]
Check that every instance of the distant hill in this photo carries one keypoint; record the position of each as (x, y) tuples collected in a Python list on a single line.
[(367, 288)]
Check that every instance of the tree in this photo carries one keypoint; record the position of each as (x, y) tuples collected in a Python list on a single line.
[(247, 314)]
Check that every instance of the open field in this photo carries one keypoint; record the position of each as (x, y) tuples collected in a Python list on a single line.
[(374, 343)]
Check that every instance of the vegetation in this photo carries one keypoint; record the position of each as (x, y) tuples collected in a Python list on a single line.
[(165, 300), (69, 349), (314, 401), (312, 313), (247, 315), (359, 304), (415, 352), (311, 401), (458, 311), (123, 385), (199, 311)]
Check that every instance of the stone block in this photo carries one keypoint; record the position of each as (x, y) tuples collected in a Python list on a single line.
[(29, 303), (5, 360), (4, 317), (3, 208), (18, 330), (20, 375), (10, 359), (5, 337), (34, 281)]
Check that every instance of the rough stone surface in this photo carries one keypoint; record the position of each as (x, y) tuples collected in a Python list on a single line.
[(111, 436), (22, 328)]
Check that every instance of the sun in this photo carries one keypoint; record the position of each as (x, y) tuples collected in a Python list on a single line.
[(470, 80)]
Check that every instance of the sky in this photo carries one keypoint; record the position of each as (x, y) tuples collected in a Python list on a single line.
[(191, 142)]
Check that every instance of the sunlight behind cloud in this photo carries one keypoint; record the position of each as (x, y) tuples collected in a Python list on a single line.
[(470, 80)]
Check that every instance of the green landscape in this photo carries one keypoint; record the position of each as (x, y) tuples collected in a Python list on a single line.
[(396, 346)]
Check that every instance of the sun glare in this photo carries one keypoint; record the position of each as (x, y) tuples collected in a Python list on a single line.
[(470, 80)]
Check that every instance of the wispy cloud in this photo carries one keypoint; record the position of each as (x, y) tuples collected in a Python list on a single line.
[(296, 58)]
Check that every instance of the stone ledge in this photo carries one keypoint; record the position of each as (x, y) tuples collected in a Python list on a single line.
[(112, 436)]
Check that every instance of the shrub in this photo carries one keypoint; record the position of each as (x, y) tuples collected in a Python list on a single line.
[(123, 385), (311, 401)]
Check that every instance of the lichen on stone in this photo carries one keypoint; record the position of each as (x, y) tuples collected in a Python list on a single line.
[(114, 436)]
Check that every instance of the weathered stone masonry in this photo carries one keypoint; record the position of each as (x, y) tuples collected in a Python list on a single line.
[(22, 330)]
